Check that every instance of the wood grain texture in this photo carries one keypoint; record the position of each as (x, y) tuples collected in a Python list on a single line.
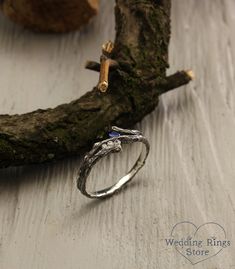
[(46, 223)]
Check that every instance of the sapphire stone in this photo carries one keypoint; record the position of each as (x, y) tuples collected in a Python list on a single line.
[(114, 134)]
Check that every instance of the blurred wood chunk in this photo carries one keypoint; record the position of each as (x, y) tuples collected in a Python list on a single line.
[(50, 15)]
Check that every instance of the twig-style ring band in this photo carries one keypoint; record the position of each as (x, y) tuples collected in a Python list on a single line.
[(101, 149)]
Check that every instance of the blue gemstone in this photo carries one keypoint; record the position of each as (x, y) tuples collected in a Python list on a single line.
[(114, 134)]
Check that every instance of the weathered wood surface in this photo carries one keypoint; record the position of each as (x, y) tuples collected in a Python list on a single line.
[(190, 174)]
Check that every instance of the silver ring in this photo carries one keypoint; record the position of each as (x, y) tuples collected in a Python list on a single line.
[(118, 136)]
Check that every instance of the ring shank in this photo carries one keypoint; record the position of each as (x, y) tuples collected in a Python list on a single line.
[(85, 169)]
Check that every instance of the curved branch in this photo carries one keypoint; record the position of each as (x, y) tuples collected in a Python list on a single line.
[(141, 49)]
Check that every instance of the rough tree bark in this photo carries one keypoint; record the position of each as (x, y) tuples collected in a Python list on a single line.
[(141, 50)]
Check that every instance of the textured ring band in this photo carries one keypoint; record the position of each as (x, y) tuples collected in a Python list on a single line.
[(118, 136)]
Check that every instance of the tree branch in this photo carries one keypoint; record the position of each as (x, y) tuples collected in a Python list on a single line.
[(141, 50), (176, 80), (94, 66)]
